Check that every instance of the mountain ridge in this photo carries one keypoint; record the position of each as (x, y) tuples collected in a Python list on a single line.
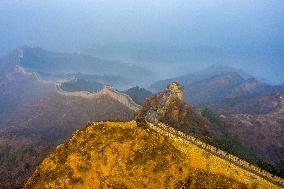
[(40, 60), (71, 152)]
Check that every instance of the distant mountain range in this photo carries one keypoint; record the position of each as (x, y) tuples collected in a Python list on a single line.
[(40, 60), (53, 66), (217, 85)]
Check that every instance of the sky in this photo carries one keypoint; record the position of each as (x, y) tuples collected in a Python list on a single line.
[(246, 33)]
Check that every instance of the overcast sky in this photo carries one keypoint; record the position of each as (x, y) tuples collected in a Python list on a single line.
[(253, 27)]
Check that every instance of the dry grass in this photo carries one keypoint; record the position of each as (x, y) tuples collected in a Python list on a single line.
[(205, 159), (122, 155)]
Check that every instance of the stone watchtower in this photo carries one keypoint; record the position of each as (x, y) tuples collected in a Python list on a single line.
[(176, 90)]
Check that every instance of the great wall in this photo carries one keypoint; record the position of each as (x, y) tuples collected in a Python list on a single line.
[(178, 135), (105, 91), (174, 90)]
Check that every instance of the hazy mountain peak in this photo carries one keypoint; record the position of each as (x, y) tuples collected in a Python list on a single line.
[(48, 62)]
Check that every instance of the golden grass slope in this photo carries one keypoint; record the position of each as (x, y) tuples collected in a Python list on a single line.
[(122, 155)]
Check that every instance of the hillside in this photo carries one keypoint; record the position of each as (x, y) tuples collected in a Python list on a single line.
[(257, 122), (123, 155)]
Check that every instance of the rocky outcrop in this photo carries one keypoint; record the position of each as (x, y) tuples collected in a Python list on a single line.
[(168, 106), (157, 106)]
